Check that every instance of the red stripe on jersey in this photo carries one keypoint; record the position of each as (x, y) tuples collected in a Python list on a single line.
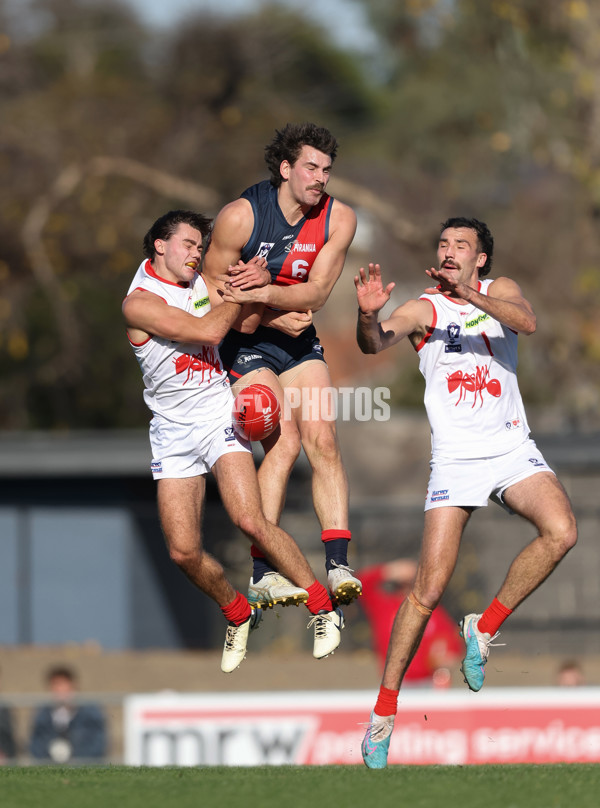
[(307, 245)]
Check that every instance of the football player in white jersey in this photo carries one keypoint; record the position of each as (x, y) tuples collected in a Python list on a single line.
[(464, 329), (175, 334)]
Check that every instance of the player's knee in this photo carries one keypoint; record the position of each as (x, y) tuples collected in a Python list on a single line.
[(288, 445), (568, 533), (185, 558), (429, 589), (323, 444), (429, 596), (251, 523), (562, 535)]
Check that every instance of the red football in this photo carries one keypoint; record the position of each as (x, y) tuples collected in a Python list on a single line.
[(256, 412)]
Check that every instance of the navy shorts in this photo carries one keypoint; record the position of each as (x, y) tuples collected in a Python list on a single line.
[(267, 348)]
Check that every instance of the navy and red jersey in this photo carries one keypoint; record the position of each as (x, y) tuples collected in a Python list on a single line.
[(290, 250)]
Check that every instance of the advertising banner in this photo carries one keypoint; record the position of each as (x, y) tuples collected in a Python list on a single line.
[(501, 725)]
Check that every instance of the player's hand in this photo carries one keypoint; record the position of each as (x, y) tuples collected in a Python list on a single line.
[(250, 275), (370, 291), (292, 323), (233, 294), (447, 283)]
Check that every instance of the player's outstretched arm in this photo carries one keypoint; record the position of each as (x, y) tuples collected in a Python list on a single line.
[(147, 314), (410, 319)]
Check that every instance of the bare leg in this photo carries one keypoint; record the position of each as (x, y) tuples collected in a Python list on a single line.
[(180, 506), (542, 500), (238, 486), (439, 552), (320, 442)]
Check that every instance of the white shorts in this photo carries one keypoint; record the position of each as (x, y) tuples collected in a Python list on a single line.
[(471, 483), (189, 450)]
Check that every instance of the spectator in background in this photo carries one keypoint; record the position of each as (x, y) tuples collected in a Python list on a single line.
[(570, 674), (385, 586), (8, 747), (66, 729)]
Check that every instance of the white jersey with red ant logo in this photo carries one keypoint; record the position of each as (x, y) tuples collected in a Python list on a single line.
[(185, 383), (472, 398)]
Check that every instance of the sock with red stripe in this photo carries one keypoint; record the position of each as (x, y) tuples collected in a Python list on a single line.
[(493, 617), (238, 611), (387, 702), (318, 599), (336, 547)]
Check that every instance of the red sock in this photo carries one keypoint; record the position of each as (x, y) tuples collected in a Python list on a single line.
[(387, 702), (318, 599), (332, 533), (493, 617), (238, 610)]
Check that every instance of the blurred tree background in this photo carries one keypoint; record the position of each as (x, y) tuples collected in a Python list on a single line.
[(461, 108)]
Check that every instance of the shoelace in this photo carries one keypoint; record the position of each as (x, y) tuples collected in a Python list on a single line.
[(376, 728), (491, 643), (231, 637), (343, 567), (232, 630), (485, 651), (321, 624)]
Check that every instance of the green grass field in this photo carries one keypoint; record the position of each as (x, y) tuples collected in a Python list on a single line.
[(552, 786)]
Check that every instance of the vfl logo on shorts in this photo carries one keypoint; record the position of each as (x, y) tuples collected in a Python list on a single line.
[(438, 496), (156, 467), (514, 424), (229, 434), (535, 462), (317, 348)]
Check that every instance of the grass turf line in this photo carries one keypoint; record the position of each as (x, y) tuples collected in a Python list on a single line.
[(514, 786)]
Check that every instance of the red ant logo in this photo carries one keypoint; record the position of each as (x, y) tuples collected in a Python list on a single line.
[(474, 382), (203, 361)]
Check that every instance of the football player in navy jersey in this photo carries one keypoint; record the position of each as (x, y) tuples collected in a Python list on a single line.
[(304, 234)]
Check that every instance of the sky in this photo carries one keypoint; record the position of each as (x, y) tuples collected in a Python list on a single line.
[(343, 18)]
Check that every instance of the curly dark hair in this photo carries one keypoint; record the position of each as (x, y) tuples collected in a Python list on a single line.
[(287, 145), (485, 240), (166, 225)]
